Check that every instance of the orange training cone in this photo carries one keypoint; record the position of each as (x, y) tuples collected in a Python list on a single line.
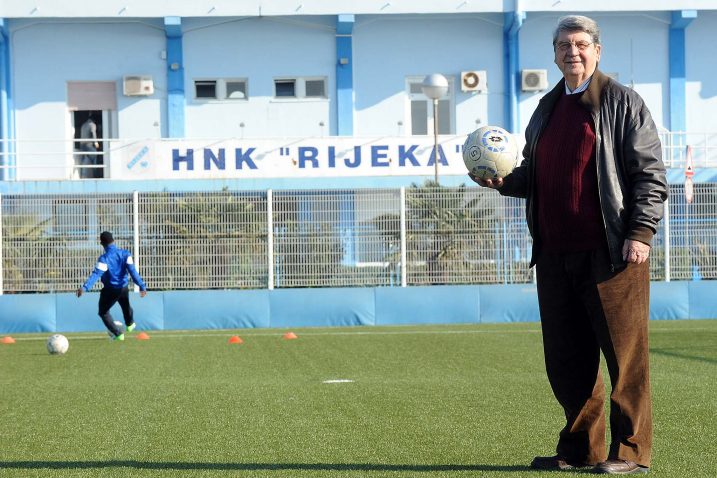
[(8, 340), (235, 339), (143, 336), (290, 335)]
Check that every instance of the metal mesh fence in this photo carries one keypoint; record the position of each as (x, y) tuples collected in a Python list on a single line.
[(336, 238), (693, 233), (207, 240), (465, 236), (49, 243), (318, 238)]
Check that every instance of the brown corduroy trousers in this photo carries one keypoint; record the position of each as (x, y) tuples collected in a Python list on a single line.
[(585, 309)]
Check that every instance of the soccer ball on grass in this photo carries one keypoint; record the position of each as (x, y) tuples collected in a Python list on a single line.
[(57, 344), (490, 152)]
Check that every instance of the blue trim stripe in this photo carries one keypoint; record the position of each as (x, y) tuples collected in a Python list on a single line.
[(7, 125), (678, 102), (344, 75), (175, 78), (512, 22)]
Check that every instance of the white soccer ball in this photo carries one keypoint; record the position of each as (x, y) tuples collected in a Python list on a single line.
[(490, 152), (57, 344)]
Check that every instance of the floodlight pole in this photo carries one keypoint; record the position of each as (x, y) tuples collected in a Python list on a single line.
[(435, 86), (435, 139)]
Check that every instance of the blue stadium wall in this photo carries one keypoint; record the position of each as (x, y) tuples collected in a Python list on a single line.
[(324, 307)]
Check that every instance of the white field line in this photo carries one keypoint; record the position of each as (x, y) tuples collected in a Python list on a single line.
[(251, 333)]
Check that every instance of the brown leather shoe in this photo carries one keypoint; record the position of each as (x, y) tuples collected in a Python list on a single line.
[(556, 462), (619, 467)]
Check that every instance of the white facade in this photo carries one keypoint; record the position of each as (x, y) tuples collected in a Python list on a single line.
[(389, 50), (395, 44), (701, 74), (259, 50)]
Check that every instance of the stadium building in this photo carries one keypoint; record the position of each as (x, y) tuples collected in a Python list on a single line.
[(279, 105)]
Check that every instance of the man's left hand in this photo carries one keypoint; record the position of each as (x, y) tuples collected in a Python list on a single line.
[(635, 251)]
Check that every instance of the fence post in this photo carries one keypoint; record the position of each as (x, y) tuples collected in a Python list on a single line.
[(403, 237), (667, 239), (270, 237), (135, 231)]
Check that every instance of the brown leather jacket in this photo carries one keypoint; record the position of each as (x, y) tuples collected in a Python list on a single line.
[(630, 171)]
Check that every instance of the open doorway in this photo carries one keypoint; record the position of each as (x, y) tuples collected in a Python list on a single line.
[(89, 148), (99, 100)]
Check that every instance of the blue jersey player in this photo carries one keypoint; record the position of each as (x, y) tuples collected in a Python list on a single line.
[(112, 267)]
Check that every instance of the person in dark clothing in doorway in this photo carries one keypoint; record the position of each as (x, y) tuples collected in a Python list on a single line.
[(112, 267), (89, 147)]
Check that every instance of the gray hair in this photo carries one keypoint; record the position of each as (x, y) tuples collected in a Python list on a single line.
[(577, 23)]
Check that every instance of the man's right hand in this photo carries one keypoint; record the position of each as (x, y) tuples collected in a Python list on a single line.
[(79, 292), (496, 183)]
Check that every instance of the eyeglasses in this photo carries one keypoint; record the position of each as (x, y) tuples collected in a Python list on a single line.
[(566, 46)]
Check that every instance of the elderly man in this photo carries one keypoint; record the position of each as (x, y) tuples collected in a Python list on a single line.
[(595, 186)]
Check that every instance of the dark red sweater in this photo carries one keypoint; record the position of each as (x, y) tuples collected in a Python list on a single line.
[(569, 217)]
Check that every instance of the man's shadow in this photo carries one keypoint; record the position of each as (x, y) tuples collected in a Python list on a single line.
[(168, 465)]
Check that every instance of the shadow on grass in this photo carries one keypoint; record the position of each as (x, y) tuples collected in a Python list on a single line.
[(164, 465), (682, 356)]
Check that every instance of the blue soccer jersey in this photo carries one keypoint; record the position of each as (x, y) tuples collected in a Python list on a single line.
[(113, 267)]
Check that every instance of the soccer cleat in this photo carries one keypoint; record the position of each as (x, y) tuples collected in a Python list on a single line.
[(118, 337), (130, 328)]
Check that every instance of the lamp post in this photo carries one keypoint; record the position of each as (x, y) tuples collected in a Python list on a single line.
[(435, 86)]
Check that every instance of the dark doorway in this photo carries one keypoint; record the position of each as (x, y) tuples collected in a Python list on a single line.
[(89, 147)]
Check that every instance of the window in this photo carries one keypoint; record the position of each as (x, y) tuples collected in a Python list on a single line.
[(206, 88), (419, 117), (315, 89), (236, 90), (285, 88), (415, 88), (311, 87), (221, 89)]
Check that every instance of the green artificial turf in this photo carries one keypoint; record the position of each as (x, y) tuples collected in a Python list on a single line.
[(428, 401)]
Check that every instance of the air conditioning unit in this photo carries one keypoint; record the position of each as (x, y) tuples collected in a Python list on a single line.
[(137, 85), (534, 80), (474, 81)]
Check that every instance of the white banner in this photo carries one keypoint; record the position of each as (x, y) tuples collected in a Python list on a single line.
[(298, 158)]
